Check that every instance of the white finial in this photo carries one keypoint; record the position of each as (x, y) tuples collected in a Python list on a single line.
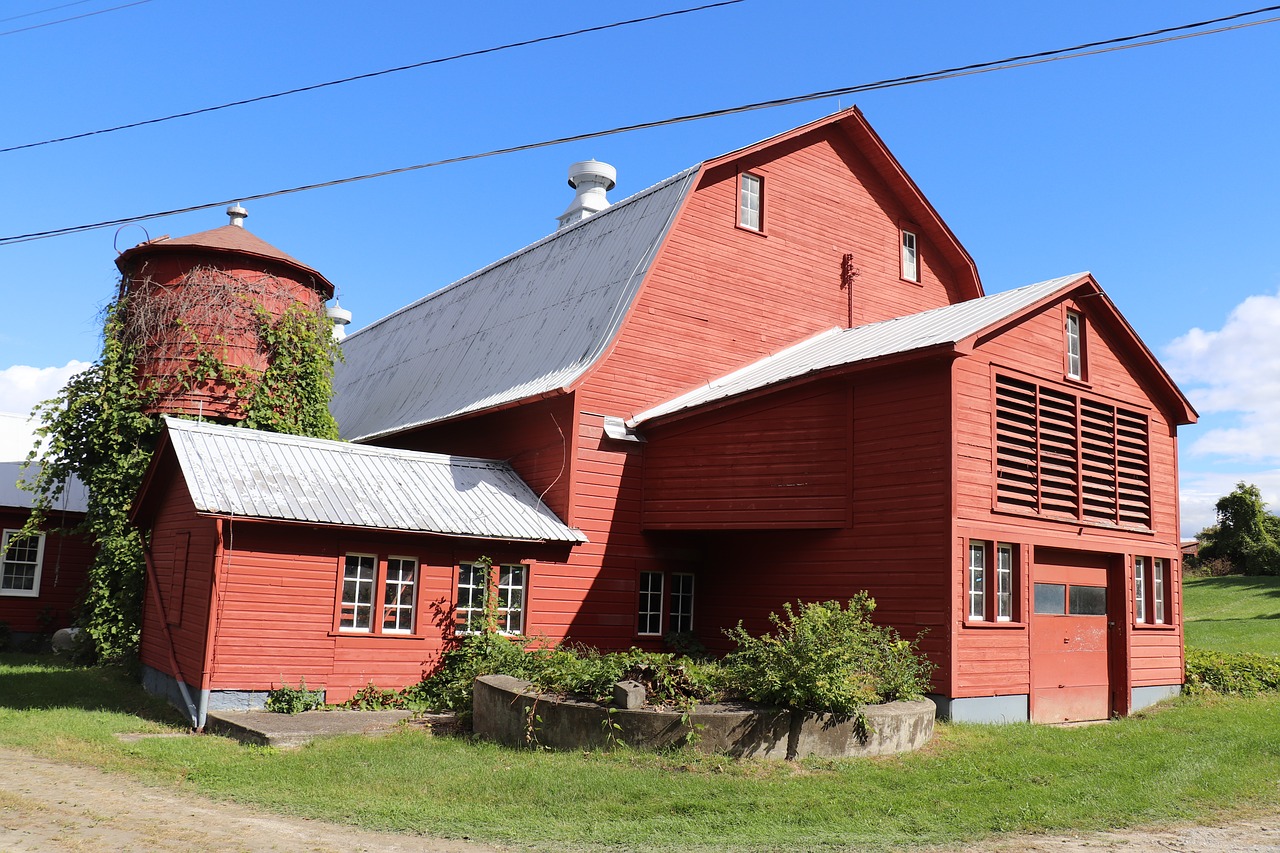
[(237, 214), (340, 317)]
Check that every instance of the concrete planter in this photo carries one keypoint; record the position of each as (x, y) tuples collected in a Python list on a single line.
[(508, 711)]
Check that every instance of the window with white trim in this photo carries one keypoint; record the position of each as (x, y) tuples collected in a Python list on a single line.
[(681, 602), (649, 616), (910, 256), (1004, 583), (977, 581), (1075, 348), (370, 583), (476, 581), (22, 557), (991, 581), (1150, 590), (750, 201)]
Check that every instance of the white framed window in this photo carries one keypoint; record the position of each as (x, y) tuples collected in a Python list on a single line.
[(1157, 591), (20, 564), (910, 257), (1140, 589), (649, 618), (359, 572), (750, 201), (399, 595), (977, 581), (1004, 583), (1075, 352), (509, 582), (681, 602)]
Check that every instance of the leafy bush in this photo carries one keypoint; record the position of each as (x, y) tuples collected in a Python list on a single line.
[(826, 658), (1231, 673), (373, 698), (294, 700)]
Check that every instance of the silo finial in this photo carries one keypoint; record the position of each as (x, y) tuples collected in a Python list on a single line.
[(237, 214)]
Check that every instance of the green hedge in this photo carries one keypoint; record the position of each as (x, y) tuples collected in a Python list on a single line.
[(1231, 673)]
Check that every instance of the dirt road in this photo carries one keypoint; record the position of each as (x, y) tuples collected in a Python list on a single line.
[(47, 806)]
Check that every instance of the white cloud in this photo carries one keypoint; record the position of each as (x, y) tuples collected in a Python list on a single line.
[(1200, 490), (1235, 371), (21, 387)]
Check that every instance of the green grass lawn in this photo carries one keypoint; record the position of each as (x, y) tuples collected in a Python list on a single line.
[(1233, 614), (1187, 760)]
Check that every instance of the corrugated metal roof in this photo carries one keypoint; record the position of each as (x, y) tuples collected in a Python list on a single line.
[(837, 347), (75, 498), (242, 472), (527, 325)]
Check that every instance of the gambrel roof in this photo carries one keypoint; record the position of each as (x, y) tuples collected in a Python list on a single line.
[(527, 325), (244, 473), (939, 328), (535, 322)]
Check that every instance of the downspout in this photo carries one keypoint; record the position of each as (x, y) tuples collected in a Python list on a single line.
[(154, 586)]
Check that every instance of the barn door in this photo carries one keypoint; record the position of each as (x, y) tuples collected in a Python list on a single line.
[(1069, 654)]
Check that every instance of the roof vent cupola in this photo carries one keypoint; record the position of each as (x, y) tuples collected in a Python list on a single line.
[(237, 214), (592, 179)]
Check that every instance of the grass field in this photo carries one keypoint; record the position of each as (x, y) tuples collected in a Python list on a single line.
[(1189, 759), (1233, 614)]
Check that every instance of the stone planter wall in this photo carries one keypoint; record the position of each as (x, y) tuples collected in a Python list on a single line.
[(508, 711)]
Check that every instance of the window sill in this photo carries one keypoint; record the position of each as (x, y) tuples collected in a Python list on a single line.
[(914, 281), (1152, 626), (369, 635), (1000, 626), (1077, 382), (19, 593), (755, 231)]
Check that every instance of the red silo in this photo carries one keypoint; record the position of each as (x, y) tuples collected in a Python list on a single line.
[(195, 305)]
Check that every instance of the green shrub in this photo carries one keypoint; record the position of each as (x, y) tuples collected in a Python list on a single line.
[(448, 688), (373, 698), (826, 658), (1231, 673), (294, 700)]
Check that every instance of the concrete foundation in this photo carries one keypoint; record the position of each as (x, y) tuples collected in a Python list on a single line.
[(1143, 697), (984, 709), (508, 711)]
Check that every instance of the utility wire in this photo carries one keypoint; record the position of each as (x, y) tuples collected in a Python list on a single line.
[(368, 75), (65, 20), (42, 11), (1089, 49)]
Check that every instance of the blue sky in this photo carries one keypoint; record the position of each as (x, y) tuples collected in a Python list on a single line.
[(1154, 168)]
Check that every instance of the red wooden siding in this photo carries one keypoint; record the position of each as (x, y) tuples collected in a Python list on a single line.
[(781, 464), (63, 571), (183, 550)]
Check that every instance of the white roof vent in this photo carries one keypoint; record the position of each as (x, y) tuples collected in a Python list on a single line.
[(340, 317), (592, 179), (237, 214)]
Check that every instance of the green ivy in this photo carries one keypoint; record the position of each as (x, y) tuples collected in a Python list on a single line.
[(97, 430)]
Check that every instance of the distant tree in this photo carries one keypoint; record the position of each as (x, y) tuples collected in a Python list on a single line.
[(1246, 535)]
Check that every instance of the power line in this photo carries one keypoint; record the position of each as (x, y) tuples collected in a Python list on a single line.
[(368, 75), (1057, 55), (42, 11), (65, 20)]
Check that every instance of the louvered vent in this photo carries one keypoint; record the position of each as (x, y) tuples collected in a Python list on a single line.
[(1070, 457)]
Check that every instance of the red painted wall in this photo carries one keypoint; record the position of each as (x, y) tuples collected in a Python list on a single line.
[(62, 577)]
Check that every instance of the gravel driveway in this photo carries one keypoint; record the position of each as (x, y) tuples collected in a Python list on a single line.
[(48, 806)]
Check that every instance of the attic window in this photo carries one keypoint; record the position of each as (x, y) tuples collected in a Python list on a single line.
[(750, 197), (910, 262), (1075, 346)]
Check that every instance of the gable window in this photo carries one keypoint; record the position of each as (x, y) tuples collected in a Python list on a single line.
[(910, 258), (649, 616), (476, 581), (1075, 348), (20, 565), (983, 605), (750, 198), (681, 603), (378, 596), (1150, 585)]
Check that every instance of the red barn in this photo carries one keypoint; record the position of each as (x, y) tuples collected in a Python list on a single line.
[(41, 577), (772, 376)]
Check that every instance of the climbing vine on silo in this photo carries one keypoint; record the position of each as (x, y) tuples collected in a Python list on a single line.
[(100, 428)]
